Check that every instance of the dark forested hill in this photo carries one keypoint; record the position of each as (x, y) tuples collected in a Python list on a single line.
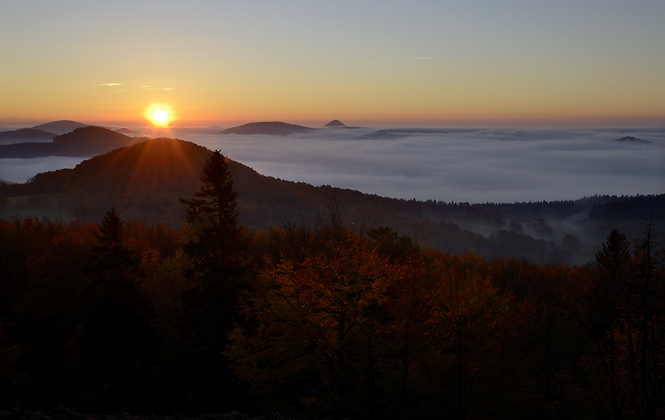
[(642, 207), (274, 128), (145, 180), (85, 141), (92, 141), (24, 135)]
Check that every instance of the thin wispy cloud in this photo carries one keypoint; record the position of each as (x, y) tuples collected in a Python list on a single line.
[(129, 87), (148, 87)]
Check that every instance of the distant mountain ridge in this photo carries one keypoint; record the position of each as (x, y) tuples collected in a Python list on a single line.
[(86, 141), (274, 128), (25, 135), (335, 123), (60, 127), (125, 131), (631, 139), (144, 181)]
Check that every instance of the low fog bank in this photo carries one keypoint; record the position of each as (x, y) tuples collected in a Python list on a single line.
[(21, 170), (460, 165), (450, 165)]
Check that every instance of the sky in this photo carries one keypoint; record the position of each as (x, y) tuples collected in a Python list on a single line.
[(365, 62)]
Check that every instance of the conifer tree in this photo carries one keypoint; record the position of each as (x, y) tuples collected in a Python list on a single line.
[(213, 215), (214, 245), (613, 265), (610, 300), (109, 256), (113, 342), (626, 322), (215, 251)]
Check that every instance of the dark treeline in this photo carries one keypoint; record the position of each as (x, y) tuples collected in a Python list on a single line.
[(641, 207), (143, 182), (320, 320)]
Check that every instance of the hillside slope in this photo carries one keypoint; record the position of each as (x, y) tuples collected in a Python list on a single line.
[(145, 180), (25, 135), (85, 141)]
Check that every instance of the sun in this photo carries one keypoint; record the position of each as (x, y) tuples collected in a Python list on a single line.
[(159, 115)]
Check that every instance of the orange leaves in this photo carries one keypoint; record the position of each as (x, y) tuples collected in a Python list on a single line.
[(362, 310), (326, 289), (314, 308)]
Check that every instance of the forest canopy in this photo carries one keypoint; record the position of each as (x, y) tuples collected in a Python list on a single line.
[(330, 319), (144, 181)]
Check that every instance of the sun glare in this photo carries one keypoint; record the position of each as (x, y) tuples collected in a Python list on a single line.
[(159, 115)]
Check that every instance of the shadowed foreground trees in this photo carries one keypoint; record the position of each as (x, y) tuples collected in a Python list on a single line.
[(374, 326), (322, 322), (215, 264), (312, 339), (627, 325), (112, 346)]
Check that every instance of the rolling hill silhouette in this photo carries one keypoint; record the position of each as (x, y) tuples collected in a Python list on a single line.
[(156, 164), (60, 127), (92, 141), (145, 180), (85, 141), (274, 128), (25, 135)]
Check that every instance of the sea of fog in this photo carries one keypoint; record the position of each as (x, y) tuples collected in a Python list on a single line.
[(460, 165)]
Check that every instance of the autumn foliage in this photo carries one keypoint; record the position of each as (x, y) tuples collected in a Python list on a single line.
[(321, 321)]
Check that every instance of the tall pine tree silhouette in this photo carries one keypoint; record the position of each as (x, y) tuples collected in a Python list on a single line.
[(215, 251), (213, 216)]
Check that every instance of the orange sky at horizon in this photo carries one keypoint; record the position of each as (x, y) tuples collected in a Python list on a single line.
[(473, 62)]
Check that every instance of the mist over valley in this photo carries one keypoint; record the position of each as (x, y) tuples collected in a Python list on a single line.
[(451, 165), (427, 183)]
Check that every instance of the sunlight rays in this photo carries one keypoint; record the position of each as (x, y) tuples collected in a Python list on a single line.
[(161, 161)]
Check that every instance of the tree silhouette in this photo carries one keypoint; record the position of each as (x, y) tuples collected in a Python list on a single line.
[(214, 247), (213, 216), (112, 344), (109, 255), (626, 318)]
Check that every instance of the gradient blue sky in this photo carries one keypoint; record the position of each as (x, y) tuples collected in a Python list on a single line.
[(416, 62)]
